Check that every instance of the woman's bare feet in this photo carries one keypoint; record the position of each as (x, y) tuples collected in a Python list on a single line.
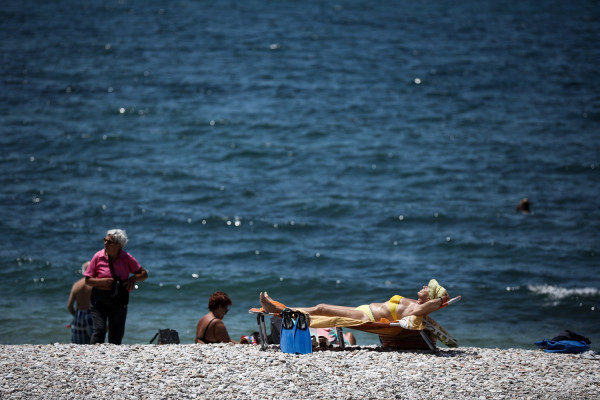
[(268, 304)]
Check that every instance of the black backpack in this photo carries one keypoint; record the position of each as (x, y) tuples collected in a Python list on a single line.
[(275, 328), (166, 336)]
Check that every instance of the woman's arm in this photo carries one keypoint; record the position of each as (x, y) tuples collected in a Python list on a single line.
[(139, 276), (428, 307), (100, 283), (221, 334)]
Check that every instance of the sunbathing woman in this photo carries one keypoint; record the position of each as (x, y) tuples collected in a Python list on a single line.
[(429, 299)]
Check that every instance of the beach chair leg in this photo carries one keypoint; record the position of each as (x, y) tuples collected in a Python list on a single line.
[(425, 337), (340, 335), (262, 331)]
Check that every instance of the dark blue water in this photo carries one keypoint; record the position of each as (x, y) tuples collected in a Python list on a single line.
[(324, 152)]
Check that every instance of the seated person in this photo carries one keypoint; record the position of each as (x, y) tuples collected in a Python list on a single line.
[(210, 328), (329, 336), (429, 299)]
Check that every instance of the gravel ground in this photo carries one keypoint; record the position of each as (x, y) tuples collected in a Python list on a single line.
[(228, 371)]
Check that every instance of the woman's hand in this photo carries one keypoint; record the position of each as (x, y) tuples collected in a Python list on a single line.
[(130, 283), (445, 298)]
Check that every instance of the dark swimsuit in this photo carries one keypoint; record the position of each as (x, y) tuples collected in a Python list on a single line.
[(203, 338)]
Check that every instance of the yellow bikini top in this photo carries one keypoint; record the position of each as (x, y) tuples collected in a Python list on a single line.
[(394, 305)]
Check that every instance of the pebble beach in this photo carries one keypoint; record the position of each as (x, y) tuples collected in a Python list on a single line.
[(228, 371)]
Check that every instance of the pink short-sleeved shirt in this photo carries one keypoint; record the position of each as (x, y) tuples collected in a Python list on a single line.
[(123, 265)]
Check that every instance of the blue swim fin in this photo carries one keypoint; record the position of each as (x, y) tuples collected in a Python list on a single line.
[(286, 336), (302, 341)]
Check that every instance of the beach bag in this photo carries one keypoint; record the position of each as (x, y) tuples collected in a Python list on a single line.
[(570, 335), (566, 342), (563, 346), (166, 336)]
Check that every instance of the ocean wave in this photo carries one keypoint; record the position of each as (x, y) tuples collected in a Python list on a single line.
[(557, 292)]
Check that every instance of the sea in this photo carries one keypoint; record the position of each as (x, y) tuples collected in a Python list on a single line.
[(334, 152)]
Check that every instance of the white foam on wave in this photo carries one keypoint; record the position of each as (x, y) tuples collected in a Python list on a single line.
[(557, 292)]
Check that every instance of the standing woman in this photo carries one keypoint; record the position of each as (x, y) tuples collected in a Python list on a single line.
[(112, 273)]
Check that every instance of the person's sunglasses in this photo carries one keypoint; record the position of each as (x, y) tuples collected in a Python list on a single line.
[(109, 241)]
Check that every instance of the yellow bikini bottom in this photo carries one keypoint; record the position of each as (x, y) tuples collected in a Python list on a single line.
[(367, 310)]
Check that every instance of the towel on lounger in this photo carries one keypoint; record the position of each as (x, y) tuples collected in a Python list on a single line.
[(381, 327)]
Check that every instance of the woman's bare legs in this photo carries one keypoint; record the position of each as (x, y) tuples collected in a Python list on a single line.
[(269, 305), (326, 310)]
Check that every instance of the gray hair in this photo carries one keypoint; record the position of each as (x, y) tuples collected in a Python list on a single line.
[(118, 235), (84, 267)]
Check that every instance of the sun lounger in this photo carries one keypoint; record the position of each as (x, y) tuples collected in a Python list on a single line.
[(408, 333)]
